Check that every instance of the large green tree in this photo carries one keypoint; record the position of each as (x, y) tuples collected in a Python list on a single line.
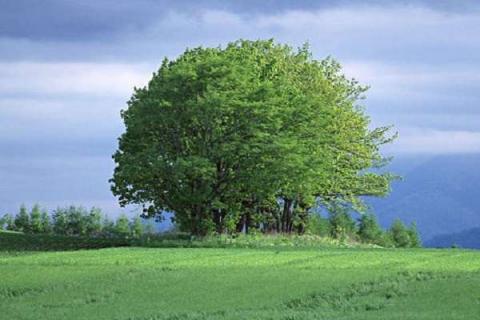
[(250, 135)]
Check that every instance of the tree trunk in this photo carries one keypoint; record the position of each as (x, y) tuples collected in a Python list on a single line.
[(286, 216)]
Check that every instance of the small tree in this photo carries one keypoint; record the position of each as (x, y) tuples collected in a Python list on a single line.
[(45, 222), (122, 226), (77, 220), (318, 225), (7, 222), (341, 223), (22, 220), (369, 230), (137, 227), (94, 222), (415, 241), (60, 221), (108, 226), (399, 234), (36, 219)]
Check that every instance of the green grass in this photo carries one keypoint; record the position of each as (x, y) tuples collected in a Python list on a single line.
[(240, 283)]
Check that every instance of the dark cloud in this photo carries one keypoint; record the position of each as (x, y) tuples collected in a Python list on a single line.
[(91, 20)]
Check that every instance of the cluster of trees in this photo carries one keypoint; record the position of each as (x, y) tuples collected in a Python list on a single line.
[(253, 135), (74, 221), (340, 225)]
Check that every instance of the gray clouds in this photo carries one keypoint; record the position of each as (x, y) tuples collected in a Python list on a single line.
[(67, 68)]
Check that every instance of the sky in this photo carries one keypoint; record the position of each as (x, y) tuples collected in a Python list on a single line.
[(68, 67)]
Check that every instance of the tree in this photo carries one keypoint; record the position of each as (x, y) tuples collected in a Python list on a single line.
[(341, 223), (399, 234), (93, 222), (60, 221), (137, 227), (77, 220), (22, 220), (45, 222), (122, 226), (318, 225), (415, 241), (247, 136), (7, 222), (36, 219), (108, 228), (369, 229)]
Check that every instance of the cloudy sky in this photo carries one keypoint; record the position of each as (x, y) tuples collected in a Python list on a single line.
[(67, 68)]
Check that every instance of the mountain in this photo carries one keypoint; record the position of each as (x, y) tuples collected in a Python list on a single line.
[(441, 194), (465, 239)]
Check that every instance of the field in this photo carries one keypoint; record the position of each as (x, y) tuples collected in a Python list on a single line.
[(235, 283)]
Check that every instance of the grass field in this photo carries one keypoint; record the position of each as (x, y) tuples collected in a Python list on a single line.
[(201, 283)]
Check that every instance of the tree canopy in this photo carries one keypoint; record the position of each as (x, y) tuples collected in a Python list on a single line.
[(251, 135)]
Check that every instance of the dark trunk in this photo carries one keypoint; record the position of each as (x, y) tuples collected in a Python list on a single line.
[(286, 216), (218, 220), (240, 224)]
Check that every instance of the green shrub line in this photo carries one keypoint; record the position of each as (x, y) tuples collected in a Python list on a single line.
[(17, 242), (76, 228)]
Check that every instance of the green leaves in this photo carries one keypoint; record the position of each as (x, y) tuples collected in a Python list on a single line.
[(221, 131)]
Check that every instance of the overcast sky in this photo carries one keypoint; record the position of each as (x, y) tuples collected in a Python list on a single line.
[(68, 67)]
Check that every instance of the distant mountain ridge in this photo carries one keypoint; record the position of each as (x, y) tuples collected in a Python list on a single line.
[(441, 194), (469, 239)]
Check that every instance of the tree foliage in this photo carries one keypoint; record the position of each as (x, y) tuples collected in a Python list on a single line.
[(369, 230), (22, 220), (122, 226), (7, 222), (36, 225), (342, 226), (252, 135), (72, 221), (400, 234)]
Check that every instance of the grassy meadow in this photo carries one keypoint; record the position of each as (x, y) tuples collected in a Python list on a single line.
[(240, 283)]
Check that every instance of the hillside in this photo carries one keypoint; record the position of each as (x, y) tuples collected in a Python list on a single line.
[(440, 193), (466, 239)]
